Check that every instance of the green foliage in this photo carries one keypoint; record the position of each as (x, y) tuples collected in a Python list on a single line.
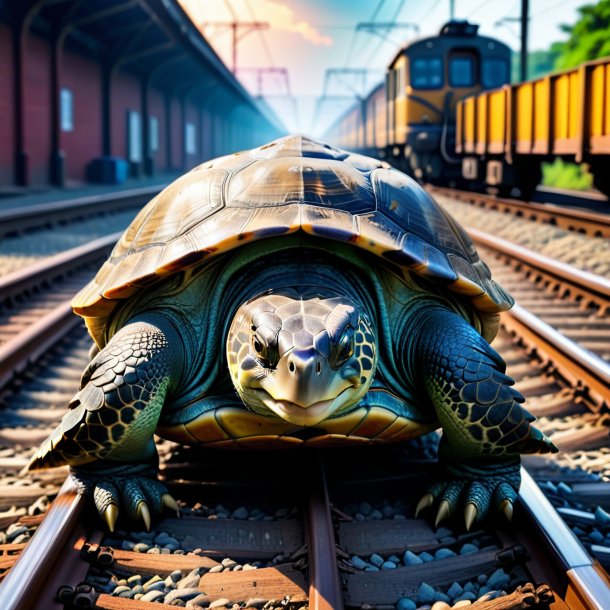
[(539, 63), (589, 37), (566, 176)]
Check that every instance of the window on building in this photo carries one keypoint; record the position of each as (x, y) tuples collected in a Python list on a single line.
[(462, 70), (66, 109), (190, 141), (427, 73), (153, 134), (494, 73), (134, 136)]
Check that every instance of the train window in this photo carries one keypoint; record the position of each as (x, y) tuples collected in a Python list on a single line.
[(427, 73), (461, 70), (494, 73)]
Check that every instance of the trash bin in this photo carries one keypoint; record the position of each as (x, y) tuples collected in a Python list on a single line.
[(107, 170)]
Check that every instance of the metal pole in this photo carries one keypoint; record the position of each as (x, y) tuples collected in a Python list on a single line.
[(524, 24), (451, 9)]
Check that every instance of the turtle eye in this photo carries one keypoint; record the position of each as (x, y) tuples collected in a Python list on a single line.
[(265, 352), (344, 349)]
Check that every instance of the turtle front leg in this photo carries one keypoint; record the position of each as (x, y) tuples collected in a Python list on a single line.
[(106, 437), (485, 428)]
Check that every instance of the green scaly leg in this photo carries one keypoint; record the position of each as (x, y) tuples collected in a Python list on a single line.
[(106, 437), (485, 428)]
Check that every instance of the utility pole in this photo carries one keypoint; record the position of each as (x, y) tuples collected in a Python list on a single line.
[(524, 23), (239, 30), (451, 9)]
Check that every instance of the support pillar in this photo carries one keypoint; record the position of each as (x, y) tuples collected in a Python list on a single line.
[(107, 73), (58, 161), (26, 12), (148, 161), (168, 132)]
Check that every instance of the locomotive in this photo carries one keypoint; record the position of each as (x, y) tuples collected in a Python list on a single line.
[(410, 119)]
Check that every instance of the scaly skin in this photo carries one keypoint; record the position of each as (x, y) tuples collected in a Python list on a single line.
[(112, 420), (485, 428)]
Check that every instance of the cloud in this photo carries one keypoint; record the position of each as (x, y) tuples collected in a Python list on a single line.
[(279, 16), (282, 17)]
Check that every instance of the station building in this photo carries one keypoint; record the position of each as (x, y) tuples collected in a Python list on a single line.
[(101, 90)]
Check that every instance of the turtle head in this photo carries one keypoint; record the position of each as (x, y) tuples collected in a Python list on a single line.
[(301, 354)]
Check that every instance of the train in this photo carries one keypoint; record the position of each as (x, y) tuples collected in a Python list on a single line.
[(447, 114)]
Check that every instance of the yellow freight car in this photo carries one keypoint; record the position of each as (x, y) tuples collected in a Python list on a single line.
[(504, 135)]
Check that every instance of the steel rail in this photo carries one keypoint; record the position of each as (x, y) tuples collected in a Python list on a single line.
[(588, 583), (325, 592), (582, 366), (562, 271), (591, 223), (54, 266), (29, 217), (27, 346), (21, 587)]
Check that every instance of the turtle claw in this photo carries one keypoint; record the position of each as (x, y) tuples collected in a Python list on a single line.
[(111, 514), (169, 502), (444, 511), (144, 514), (426, 501), (470, 515), (131, 490)]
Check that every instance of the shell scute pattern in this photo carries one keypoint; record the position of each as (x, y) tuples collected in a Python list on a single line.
[(319, 182), (285, 186)]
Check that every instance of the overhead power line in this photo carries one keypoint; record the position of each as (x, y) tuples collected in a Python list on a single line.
[(239, 30), (355, 32)]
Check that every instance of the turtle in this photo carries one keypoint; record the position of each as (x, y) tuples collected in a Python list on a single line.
[(293, 295)]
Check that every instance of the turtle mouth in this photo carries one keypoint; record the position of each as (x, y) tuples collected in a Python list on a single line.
[(303, 416)]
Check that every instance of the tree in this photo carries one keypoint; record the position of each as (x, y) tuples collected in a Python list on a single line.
[(589, 37), (539, 63)]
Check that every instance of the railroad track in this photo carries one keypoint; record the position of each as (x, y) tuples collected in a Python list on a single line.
[(33, 233), (572, 302), (587, 222), (35, 309), (338, 537), (313, 574), (564, 414), (20, 220)]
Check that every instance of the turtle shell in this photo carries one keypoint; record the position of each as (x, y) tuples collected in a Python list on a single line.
[(289, 185)]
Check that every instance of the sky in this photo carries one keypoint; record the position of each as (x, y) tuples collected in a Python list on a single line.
[(308, 37)]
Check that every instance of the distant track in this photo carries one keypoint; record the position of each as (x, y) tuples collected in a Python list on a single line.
[(36, 310), (26, 218), (595, 224)]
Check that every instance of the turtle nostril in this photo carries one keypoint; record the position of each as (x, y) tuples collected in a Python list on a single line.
[(318, 368), (291, 367)]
